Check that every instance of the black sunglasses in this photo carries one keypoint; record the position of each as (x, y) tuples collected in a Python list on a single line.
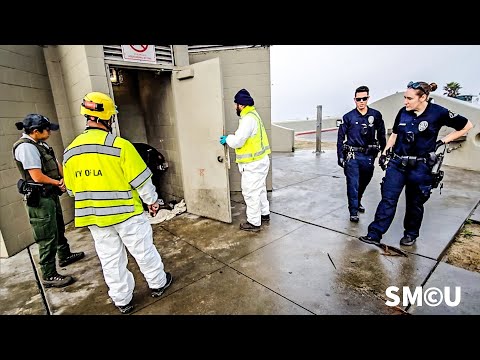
[(361, 99), (415, 85)]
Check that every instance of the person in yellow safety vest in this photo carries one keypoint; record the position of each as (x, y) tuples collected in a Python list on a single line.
[(251, 146), (108, 179)]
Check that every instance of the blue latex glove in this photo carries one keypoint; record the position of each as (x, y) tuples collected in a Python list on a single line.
[(223, 139)]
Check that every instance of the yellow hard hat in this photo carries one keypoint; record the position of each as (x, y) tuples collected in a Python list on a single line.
[(99, 105)]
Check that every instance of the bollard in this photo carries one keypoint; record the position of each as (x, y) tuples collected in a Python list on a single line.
[(318, 147)]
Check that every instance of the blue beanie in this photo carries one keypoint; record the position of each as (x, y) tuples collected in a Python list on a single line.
[(243, 98)]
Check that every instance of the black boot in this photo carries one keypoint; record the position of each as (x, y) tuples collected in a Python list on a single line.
[(369, 240), (71, 258), (407, 240), (249, 227)]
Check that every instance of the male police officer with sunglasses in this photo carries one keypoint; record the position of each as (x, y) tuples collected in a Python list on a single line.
[(365, 131), (42, 183)]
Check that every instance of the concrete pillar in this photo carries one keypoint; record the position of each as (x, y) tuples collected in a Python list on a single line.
[(180, 55)]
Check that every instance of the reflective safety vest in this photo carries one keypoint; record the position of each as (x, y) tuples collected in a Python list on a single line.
[(102, 172), (255, 147)]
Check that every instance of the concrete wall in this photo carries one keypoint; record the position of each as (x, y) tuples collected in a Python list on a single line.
[(73, 71), (158, 107), (249, 69), (131, 119), (309, 125), (467, 155), (284, 139), (24, 89)]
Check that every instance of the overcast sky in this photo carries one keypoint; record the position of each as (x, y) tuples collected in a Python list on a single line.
[(304, 76)]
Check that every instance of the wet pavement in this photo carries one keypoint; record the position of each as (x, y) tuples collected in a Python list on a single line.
[(307, 260)]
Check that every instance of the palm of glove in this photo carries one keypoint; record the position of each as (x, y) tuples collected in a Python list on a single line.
[(223, 139), (341, 162)]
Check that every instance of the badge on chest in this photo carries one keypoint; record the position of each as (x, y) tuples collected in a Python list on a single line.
[(423, 126)]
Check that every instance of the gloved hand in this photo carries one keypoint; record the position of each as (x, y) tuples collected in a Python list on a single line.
[(223, 139), (153, 208), (438, 144), (341, 162), (382, 160)]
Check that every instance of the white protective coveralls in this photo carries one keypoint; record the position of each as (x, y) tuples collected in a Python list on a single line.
[(108, 179), (136, 234), (253, 174)]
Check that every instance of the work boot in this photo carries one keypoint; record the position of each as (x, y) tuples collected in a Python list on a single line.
[(249, 227), (369, 240), (71, 258), (126, 309), (407, 240), (361, 208), (354, 218), (57, 280), (160, 291), (266, 218)]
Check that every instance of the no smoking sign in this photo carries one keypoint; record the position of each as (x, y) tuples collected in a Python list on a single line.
[(139, 53)]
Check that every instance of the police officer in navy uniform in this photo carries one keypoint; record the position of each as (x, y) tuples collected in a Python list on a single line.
[(414, 143), (365, 131)]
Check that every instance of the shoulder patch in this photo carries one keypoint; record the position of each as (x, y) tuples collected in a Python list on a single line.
[(451, 114)]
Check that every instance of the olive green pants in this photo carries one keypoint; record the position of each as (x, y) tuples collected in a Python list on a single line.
[(49, 233)]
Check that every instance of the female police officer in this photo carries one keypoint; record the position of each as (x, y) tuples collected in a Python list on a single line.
[(413, 140)]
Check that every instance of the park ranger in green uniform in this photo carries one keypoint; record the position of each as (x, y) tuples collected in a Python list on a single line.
[(42, 183)]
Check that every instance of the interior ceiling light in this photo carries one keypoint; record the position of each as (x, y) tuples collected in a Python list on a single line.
[(116, 76)]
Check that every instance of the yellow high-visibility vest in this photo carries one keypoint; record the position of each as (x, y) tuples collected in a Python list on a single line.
[(102, 172), (255, 147)]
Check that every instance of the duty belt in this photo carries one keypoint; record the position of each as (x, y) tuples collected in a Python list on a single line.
[(354, 148), (409, 160)]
